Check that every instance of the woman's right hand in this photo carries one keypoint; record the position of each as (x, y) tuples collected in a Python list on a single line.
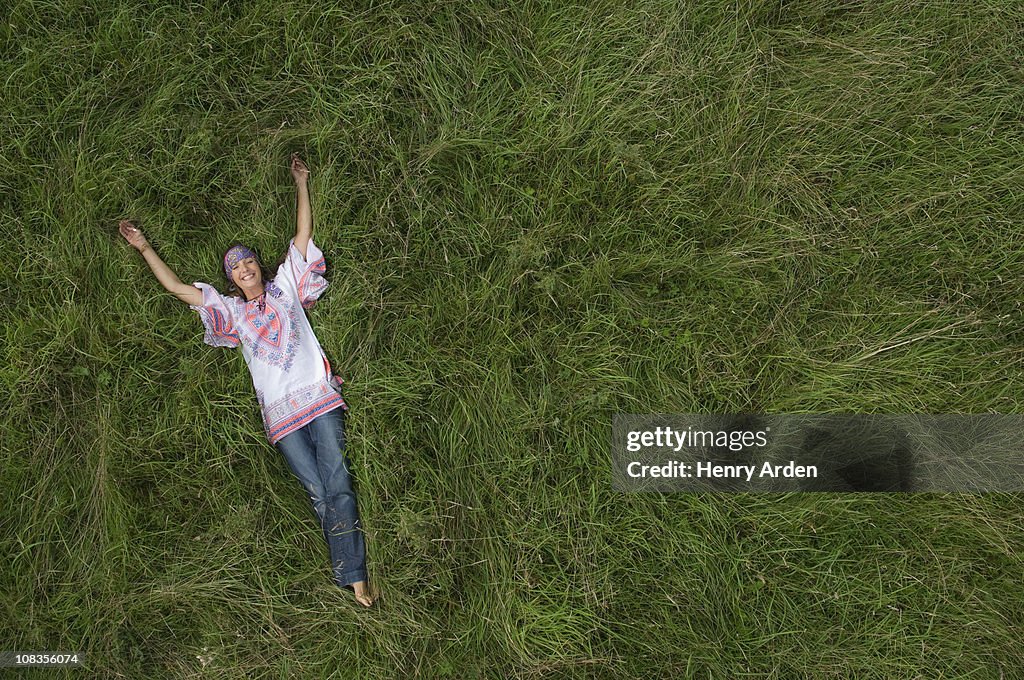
[(132, 234)]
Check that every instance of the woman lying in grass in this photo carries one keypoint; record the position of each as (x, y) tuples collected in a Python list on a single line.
[(299, 397)]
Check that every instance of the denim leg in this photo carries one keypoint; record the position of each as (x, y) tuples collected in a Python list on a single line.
[(316, 454), (300, 453)]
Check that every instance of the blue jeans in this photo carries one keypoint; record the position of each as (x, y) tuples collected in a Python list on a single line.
[(316, 454)]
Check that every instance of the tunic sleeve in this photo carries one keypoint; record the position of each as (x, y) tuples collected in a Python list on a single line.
[(216, 317), (306, 275)]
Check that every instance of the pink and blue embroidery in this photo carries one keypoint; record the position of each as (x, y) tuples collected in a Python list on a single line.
[(298, 408), (219, 331), (312, 284), (271, 331), (268, 325)]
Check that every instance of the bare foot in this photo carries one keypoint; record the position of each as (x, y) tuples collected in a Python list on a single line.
[(362, 593)]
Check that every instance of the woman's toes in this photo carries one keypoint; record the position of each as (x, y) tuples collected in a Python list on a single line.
[(362, 594)]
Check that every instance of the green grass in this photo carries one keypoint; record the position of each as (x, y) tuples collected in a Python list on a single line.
[(535, 215)]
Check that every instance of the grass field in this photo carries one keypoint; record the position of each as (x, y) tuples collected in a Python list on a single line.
[(535, 215)]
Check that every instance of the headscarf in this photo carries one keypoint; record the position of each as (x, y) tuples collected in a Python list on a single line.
[(235, 255)]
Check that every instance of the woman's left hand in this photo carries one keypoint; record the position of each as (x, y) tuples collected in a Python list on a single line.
[(300, 173)]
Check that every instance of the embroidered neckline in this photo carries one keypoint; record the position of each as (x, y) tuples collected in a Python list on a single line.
[(261, 299)]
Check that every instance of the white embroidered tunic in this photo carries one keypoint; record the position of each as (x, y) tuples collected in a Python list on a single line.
[(291, 375)]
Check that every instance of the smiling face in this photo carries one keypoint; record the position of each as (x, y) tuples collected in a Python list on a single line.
[(247, 276)]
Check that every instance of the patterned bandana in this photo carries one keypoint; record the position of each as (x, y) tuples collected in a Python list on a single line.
[(235, 255)]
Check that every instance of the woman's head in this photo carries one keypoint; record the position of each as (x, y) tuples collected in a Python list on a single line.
[(244, 272)]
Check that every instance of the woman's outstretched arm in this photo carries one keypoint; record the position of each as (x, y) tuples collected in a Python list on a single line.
[(164, 275), (304, 216)]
